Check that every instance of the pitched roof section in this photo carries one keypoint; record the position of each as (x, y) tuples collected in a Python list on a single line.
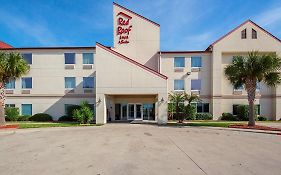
[(185, 52), (124, 8), (250, 21), (131, 61), (4, 45)]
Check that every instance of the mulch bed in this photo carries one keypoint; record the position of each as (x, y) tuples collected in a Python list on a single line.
[(9, 127), (257, 127)]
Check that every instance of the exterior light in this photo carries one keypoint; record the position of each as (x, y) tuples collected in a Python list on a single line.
[(99, 101), (162, 100)]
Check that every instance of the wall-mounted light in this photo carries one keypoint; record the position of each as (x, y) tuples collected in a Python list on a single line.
[(99, 101)]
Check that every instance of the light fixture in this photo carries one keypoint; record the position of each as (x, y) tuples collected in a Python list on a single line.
[(99, 101), (162, 100)]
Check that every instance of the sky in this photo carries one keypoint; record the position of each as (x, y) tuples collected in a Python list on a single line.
[(185, 24)]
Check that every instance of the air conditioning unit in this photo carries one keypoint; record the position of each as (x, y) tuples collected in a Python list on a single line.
[(69, 66), (87, 66), (26, 91), (9, 91)]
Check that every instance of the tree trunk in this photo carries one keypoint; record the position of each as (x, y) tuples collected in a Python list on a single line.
[(2, 104), (251, 90)]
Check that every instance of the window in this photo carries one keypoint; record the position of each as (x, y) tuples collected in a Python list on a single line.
[(27, 57), (69, 82), (179, 85), (179, 62), (235, 109), (202, 107), (88, 82), (10, 105), (244, 34), (26, 83), (69, 58), (196, 62), (240, 88), (88, 58), (196, 85), (254, 34), (26, 109), (66, 106), (10, 84), (258, 109)]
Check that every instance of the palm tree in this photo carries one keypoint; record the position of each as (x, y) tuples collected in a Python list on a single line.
[(177, 98), (12, 66), (189, 108), (251, 69)]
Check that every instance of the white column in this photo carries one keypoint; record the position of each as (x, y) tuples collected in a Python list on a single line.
[(162, 109), (101, 109)]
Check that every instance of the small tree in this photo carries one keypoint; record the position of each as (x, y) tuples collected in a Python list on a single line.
[(84, 114), (177, 98), (12, 66), (249, 70), (190, 109)]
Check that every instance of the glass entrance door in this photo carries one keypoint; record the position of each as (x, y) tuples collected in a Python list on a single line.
[(131, 111), (138, 115), (148, 112), (135, 112)]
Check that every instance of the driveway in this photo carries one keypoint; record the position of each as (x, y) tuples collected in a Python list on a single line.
[(122, 149)]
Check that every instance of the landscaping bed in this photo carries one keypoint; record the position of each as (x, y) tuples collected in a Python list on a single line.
[(14, 126), (256, 127), (23, 125)]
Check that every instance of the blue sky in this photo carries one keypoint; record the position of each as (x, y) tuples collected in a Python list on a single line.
[(185, 24)]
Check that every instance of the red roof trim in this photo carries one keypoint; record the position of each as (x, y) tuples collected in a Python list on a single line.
[(31, 48), (132, 61), (4, 45), (124, 8), (239, 27), (185, 52), (124, 14)]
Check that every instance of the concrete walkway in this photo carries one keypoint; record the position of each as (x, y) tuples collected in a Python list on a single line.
[(138, 149)]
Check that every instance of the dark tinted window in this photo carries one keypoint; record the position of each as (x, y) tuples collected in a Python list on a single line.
[(69, 58), (27, 57)]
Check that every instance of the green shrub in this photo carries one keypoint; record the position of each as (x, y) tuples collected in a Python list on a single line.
[(70, 109), (204, 116), (190, 112), (243, 112), (85, 114), (262, 118), (66, 118), (228, 116), (12, 114), (41, 117), (24, 118)]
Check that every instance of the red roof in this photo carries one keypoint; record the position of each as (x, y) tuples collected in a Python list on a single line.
[(124, 8), (131, 61), (250, 21), (4, 45)]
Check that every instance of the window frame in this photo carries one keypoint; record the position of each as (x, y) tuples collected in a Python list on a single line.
[(26, 59), (193, 57), (202, 105), (14, 85), (93, 61), (183, 84), (66, 83), (22, 108), (244, 31), (177, 58), (10, 105), (195, 80), (89, 87), (22, 80), (65, 54), (254, 34)]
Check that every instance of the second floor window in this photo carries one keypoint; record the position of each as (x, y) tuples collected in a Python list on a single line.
[(196, 85), (10, 85), (196, 62), (88, 82), (88, 58), (26, 83), (254, 34), (179, 62), (69, 58), (244, 34), (69, 82), (27, 57), (178, 85), (240, 88)]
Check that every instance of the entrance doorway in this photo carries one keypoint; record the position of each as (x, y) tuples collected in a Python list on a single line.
[(135, 111)]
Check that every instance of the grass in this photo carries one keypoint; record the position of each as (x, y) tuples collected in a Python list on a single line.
[(24, 125)]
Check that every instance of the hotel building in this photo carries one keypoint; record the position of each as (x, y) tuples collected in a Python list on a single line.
[(131, 80)]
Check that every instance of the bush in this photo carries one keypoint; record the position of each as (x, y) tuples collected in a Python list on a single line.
[(41, 117), (262, 118), (12, 114), (190, 112), (85, 114), (24, 118), (243, 112), (66, 118), (228, 116), (204, 116), (70, 109)]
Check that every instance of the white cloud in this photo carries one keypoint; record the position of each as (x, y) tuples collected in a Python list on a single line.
[(36, 30), (270, 17)]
